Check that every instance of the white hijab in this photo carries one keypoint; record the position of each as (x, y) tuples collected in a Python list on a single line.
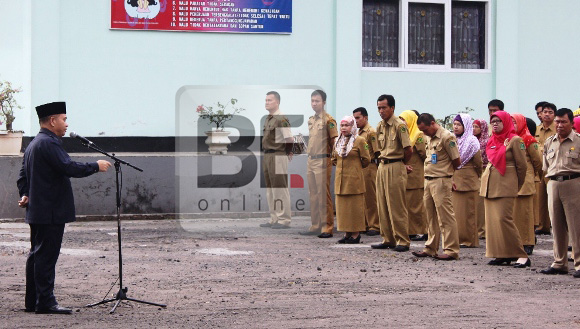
[(348, 140)]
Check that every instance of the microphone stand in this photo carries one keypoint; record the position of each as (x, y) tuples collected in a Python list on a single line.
[(122, 293)]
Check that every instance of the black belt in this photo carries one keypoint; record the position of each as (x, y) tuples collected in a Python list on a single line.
[(565, 177), (385, 161), (272, 151), (432, 178), (319, 156)]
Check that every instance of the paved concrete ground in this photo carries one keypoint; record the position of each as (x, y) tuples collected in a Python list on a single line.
[(223, 273)]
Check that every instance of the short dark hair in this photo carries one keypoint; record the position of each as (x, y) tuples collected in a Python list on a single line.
[(496, 102), (320, 93), (531, 126), (540, 105), (276, 95), (45, 119), (550, 106), (362, 111), (426, 119), (390, 99), (564, 111)]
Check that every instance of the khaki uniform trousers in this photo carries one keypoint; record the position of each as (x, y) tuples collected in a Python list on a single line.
[(440, 217), (276, 176), (321, 210), (565, 214), (392, 203), (544, 216), (416, 211), (371, 212), (537, 205)]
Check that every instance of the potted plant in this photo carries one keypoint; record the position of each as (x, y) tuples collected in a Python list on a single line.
[(217, 139), (10, 140)]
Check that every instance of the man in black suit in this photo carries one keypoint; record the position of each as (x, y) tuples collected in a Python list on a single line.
[(46, 193)]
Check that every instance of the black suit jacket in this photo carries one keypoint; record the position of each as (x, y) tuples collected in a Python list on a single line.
[(44, 178)]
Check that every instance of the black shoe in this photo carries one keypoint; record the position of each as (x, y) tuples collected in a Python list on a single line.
[(576, 274), (550, 270), (382, 246), (400, 248), (570, 259), (373, 232), (413, 236), (56, 309), (343, 240), (538, 232), (528, 263), (419, 237), (309, 233), (278, 226), (266, 225), (569, 248), (501, 261), (529, 249), (325, 235), (352, 240)]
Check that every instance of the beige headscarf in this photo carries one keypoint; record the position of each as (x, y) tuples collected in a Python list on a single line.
[(343, 143)]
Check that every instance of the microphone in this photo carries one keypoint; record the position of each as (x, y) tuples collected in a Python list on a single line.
[(81, 138)]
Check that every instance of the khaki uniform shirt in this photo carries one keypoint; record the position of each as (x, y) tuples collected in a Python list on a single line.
[(534, 162), (321, 130), (416, 179), (467, 178), (542, 134), (393, 138), (276, 130), (562, 158), (494, 185), (349, 177), (444, 144), (370, 135)]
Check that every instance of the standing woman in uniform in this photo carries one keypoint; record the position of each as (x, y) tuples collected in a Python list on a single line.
[(532, 129), (466, 181), (415, 179), (481, 131), (503, 177), (350, 156), (524, 206)]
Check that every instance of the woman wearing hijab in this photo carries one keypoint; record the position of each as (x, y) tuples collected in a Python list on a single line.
[(577, 124), (524, 206), (481, 131), (350, 156), (503, 177), (532, 129), (415, 179), (466, 181)]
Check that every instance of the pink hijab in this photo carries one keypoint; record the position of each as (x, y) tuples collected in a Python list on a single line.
[(577, 124)]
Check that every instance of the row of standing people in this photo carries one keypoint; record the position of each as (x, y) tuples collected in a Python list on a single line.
[(414, 178)]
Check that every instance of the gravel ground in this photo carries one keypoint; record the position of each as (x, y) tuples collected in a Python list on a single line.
[(224, 273)]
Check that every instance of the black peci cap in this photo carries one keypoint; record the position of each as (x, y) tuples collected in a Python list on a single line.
[(51, 109)]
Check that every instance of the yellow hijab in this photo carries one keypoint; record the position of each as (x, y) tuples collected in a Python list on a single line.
[(411, 119)]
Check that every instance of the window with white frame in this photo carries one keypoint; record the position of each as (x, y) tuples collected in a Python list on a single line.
[(426, 34)]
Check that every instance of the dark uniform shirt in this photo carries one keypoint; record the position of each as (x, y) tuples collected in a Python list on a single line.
[(44, 178)]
